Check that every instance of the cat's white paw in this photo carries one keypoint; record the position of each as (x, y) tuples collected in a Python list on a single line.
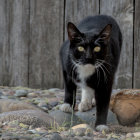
[(93, 102), (102, 128), (84, 106), (65, 108)]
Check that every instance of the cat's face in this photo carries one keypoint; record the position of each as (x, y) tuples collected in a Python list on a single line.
[(88, 48)]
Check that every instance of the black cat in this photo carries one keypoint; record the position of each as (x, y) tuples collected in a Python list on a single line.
[(89, 60)]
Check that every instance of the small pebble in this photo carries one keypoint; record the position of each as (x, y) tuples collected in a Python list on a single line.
[(96, 138), (1, 125), (36, 100), (56, 136), (31, 127), (32, 131), (21, 93), (42, 104), (82, 130), (79, 132), (44, 139), (137, 124), (53, 104), (4, 97), (54, 90), (65, 134), (71, 138), (22, 98), (87, 138), (129, 135), (136, 134), (8, 93), (41, 130), (33, 94), (78, 138), (1, 93), (122, 137)]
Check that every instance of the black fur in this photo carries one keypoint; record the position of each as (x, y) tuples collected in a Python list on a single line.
[(93, 31)]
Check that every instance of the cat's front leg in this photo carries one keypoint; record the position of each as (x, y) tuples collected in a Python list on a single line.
[(102, 97), (70, 93), (87, 99)]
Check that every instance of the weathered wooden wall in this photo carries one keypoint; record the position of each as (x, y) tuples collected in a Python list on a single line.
[(136, 55), (46, 37), (32, 31), (14, 42)]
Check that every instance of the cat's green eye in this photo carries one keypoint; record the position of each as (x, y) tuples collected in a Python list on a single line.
[(97, 49), (81, 49)]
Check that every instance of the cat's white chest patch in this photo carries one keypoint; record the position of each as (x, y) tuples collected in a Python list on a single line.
[(85, 71)]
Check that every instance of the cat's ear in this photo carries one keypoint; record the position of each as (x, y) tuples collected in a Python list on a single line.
[(73, 32), (105, 33)]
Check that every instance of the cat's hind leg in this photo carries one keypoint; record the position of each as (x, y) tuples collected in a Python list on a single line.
[(86, 99)]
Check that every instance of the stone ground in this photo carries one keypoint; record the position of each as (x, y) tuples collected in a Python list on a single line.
[(27, 114)]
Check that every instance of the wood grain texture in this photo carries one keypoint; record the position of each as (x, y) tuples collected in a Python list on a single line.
[(3, 36), (14, 41), (76, 10), (46, 35), (137, 45), (122, 11)]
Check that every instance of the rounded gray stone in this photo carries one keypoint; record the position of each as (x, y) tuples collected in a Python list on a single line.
[(43, 139), (7, 105), (64, 119), (90, 116), (53, 104), (21, 93), (129, 135), (1, 93), (35, 118), (56, 136), (111, 119)]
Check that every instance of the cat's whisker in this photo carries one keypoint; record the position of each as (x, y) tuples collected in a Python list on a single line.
[(97, 66), (102, 68), (103, 61), (98, 75), (106, 68), (75, 65), (73, 72), (104, 65)]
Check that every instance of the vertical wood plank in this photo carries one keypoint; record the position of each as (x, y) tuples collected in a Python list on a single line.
[(3, 40), (76, 10), (19, 41), (46, 34), (137, 45), (15, 43), (122, 11)]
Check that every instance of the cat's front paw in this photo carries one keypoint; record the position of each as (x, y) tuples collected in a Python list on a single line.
[(101, 128), (84, 106), (66, 108)]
